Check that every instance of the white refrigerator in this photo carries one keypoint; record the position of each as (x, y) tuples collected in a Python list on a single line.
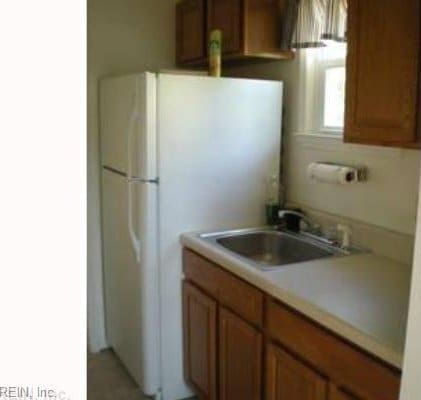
[(179, 153)]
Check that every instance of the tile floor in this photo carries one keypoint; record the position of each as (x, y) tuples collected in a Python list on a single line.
[(109, 380)]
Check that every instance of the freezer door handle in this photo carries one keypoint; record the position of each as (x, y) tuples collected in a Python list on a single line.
[(130, 133)]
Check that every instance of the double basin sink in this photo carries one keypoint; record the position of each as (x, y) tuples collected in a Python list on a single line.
[(268, 249)]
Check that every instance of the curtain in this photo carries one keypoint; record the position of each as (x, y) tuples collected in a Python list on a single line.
[(335, 21), (310, 23)]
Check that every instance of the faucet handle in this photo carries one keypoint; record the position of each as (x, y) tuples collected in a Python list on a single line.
[(346, 235)]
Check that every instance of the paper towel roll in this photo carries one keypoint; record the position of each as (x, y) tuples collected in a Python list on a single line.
[(331, 173)]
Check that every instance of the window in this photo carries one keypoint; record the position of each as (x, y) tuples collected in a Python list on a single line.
[(322, 90), (330, 79), (334, 99)]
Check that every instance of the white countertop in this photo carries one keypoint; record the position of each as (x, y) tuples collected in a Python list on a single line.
[(363, 297)]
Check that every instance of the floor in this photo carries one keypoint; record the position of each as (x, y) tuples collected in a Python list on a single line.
[(109, 380)]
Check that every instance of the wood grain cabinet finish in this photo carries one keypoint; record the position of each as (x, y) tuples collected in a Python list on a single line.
[(232, 292), (225, 334), (289, 379), (383, 72), (251, 29), (190, 35), (199, 325), (228, 16), (335, 358), (336, 393), (240, 355)]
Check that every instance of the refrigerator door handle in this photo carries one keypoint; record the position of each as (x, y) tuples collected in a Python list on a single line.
[(132, 122), (132, 231)]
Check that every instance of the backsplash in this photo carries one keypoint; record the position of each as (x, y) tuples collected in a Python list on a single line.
[(384, 242), (388, 198)]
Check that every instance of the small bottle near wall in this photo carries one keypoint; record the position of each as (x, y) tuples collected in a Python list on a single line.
[(215, 50), (272, 200)]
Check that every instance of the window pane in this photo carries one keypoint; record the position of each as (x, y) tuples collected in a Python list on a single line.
[(334, 98), (333, 51)]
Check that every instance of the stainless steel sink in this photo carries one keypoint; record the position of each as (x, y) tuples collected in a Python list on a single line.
[(267, 249)]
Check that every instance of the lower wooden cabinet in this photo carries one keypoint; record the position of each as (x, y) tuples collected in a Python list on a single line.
[(199, 323), (241, 344), (289, 379), (240, 355)]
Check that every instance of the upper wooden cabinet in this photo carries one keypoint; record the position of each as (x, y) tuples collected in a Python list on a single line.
[(251, 29), (336, 393), (383, 72), (228, 17), (191, 38)]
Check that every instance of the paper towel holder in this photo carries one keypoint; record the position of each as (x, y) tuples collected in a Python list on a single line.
[(358, 174)]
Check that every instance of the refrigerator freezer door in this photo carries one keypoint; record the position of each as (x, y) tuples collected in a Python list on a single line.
[(128, 124), (219, 142), (131, 285)]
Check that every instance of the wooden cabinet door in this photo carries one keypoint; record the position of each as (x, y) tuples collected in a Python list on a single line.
[(338, 394), (382, 72), (240, 355), (228, 16), (190, 31), (289, 379), (199, 324)]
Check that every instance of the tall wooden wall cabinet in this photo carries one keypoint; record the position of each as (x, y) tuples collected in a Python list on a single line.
[(383, 73)]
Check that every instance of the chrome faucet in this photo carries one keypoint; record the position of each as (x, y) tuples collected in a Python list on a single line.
[(311, 226)]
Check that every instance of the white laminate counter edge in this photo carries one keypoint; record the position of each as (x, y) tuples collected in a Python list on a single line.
[(324, 318)]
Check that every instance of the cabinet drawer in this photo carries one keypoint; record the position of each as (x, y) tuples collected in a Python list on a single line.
[(341, 362), (202, 272), (232, 292), (242, 298)]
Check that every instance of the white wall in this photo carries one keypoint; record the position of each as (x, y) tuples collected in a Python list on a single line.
[(389, 198), (123, 36), (411, 383)]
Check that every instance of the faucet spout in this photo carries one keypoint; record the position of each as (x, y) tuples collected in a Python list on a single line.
[(293, 218)]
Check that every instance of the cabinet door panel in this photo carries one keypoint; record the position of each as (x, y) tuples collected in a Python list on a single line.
[(240, 354), (228, 16), (289, 379), (382, 71), (191, 30), (338, 394), (199, 323)]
